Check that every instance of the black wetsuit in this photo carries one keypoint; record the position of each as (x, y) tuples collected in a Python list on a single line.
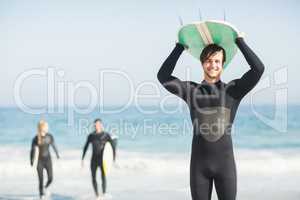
[(212, 111), (98, 141), (44, 159)]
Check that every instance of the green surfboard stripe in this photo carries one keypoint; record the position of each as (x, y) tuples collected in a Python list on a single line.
[(191, 35), (229, 45), (221, 34)]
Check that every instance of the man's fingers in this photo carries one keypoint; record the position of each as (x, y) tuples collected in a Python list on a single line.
[(241, 34)]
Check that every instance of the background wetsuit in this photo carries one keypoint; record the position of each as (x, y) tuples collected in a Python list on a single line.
[(98, 141), (212, 111), (44, 159)]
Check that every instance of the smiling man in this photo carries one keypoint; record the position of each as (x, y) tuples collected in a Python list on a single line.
[(213, 105)]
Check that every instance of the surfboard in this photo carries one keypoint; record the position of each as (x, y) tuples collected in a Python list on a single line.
[(196, 36), (109, 155)]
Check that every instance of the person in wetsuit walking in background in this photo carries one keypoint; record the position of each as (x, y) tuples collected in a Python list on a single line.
[(40, 145), (98, 139), (212, 105)]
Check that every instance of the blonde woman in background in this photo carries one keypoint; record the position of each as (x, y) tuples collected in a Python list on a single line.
[(40, 150)]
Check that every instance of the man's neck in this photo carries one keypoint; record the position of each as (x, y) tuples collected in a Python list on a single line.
[(211, 80)]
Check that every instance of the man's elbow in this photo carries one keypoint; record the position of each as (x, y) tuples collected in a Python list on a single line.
[(160, 77), (261, 69)]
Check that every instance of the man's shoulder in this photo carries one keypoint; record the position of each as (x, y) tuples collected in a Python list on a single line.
[(34, 139), (191, 83), (231, 83), (106, 134), (92, 134), (49, 135)]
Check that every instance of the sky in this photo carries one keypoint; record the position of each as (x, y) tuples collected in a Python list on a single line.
[(126, 42)]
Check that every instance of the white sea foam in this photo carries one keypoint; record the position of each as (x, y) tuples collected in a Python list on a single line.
[(262, 174)]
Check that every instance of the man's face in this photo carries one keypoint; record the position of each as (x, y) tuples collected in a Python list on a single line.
[(98, 126), (44, 130), (213, 65)]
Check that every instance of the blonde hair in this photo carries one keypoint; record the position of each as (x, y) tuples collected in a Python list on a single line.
[(41, 126)]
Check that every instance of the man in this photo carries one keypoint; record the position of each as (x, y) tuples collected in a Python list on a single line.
[(40, 153), (98, 140), (213, 105)]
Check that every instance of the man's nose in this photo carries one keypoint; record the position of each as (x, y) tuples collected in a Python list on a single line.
[(215, 66)]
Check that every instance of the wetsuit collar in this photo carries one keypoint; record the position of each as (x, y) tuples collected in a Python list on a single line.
[(99, 132), (215, 83)]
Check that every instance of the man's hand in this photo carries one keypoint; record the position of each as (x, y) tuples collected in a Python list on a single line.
[(241, 35), (186, 47)]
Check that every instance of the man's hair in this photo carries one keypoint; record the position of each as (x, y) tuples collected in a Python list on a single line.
[(98, 120), (211, 49)]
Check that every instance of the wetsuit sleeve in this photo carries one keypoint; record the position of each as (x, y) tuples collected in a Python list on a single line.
[(32, 151), (86, 146), (243, 85), (54, 146), (164, 75)]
